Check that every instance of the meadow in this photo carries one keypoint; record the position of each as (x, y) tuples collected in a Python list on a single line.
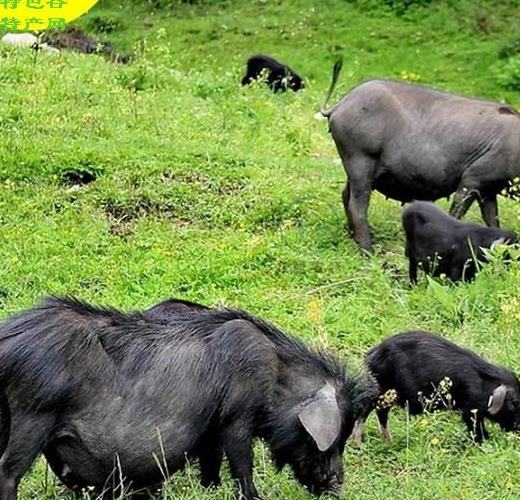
[(124, 185)]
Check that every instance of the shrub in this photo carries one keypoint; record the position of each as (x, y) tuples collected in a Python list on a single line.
[(399, 7), (512, 48), (158, 4), (105, 24), (509, 74)]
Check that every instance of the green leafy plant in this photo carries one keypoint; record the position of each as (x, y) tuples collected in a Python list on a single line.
[(508, 74)]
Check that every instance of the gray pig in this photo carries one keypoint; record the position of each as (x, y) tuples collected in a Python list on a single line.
[(415, 143)]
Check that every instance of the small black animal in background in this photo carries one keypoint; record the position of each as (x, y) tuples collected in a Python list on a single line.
[(441, 244), (420, 370), (278, 76)]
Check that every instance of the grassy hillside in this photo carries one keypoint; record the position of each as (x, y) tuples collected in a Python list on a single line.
[(224, 195)]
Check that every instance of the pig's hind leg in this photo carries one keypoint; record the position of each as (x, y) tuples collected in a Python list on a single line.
[(489, 209), (462, 200), (412, 270)]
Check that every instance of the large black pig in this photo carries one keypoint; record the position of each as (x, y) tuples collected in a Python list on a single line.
[(107, 396)]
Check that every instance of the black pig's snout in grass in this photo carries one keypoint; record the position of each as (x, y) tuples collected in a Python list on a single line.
[(88, 385)]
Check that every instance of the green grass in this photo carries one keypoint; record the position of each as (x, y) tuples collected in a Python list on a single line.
[(226, 195)]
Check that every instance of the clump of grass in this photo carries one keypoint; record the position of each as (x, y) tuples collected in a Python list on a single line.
[(508, 75)]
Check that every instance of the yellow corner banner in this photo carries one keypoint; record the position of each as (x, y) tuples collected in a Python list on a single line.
[(39, 15)]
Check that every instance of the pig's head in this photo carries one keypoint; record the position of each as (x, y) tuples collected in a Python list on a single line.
[(310, 437), (504, 406), (296, 82)]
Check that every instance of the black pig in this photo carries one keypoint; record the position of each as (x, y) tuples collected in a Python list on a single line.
[(442, 244), (106, 395), (417, 368), (278, 76)]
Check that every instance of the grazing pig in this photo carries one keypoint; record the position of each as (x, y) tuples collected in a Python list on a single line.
[(115, 399), (415, 143), (441, 244), (278, 76), (417, 369)]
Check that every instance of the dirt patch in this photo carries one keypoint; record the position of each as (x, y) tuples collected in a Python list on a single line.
[(130, 211), (217, 185), (122, 230), (122, 216), (78, 41), (76, 178)]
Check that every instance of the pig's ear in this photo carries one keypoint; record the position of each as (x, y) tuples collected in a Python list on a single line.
[(499, 241), (496, 400), (321, 417)]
